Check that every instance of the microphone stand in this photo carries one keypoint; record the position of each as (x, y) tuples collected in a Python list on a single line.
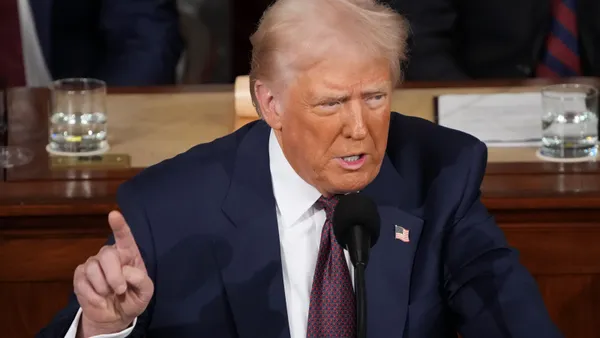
[(359, 245), (360, 292)]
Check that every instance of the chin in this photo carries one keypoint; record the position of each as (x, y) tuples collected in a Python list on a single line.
[(351, 182)]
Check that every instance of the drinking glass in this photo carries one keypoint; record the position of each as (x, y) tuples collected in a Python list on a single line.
[(10, 156), (78, 117), (569, 121)]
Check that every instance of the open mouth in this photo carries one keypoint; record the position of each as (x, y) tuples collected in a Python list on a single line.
[(353, 158), (352, 162)]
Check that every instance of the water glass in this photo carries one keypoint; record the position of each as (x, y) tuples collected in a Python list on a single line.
[(569, 121), (10, 156), (78, 116)]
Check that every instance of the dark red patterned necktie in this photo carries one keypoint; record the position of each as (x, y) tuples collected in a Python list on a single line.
[(12, 69), (332, 311)]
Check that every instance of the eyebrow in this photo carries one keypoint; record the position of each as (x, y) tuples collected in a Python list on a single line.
[(343, 97), (332, 97), (373, 91)]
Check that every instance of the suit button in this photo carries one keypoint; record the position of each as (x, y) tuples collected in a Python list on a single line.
[(525, 69)]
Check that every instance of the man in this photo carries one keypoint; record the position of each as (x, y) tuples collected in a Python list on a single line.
[(125, 43), (473, 39), (223, 240)]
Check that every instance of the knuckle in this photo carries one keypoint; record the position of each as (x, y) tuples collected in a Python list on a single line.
[(89, 262), (78, 275), (108, 255), (106, 248), (78, 270), (102, 251), (90, 266), (79, 286)]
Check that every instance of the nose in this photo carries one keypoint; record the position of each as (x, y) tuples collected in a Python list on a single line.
[(354, 122)]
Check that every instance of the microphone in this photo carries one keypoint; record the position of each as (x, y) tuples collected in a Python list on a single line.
[(356, 225)]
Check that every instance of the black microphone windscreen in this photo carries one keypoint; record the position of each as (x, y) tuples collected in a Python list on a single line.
[(355, 209)]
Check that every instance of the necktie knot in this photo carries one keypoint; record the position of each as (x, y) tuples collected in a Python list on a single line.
[(328, 204)]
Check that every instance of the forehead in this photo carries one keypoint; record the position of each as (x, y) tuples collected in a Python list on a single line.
[(345, 74)]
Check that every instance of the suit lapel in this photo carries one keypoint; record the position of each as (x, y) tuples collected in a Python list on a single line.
[(389, 271), (253, 277), (42, 15)]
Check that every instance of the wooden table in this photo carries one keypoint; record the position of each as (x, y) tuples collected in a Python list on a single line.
[(51, 220)]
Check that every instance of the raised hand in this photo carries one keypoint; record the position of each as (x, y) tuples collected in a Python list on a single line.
[(112, 287)]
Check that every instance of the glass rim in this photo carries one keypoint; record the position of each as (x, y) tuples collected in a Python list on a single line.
[(591, 91), (89, 84)]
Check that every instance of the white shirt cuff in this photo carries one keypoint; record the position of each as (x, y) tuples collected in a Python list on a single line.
[(72, 333)]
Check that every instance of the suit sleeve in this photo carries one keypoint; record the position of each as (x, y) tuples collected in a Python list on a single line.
[(490, 293), (431, 41), (136, 218), (143, 42)]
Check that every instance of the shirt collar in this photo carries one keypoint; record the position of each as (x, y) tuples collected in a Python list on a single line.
[(293, 195)]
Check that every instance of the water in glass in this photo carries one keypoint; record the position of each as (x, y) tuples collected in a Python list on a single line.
[(77, 132), (78, 121), (569, 121)]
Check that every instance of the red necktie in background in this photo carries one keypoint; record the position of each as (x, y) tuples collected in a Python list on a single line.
[(562, 47), (12, 69), (332, 311)]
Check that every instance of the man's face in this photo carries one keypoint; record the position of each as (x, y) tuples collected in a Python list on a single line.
[(334, 120)]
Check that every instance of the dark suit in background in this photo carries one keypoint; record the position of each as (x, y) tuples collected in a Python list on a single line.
[(475, 39), (205, 222), (123, 42)]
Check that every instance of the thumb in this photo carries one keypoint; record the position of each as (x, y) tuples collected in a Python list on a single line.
[(139, 280)]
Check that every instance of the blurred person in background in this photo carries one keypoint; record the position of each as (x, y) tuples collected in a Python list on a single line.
[(125, 43), (206, 28), (474, 39)]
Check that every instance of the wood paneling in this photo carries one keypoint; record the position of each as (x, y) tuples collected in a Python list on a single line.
[(556, 248), (28, 306), (573, 302)]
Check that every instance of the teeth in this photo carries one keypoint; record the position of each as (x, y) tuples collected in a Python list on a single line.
[(351, 158)]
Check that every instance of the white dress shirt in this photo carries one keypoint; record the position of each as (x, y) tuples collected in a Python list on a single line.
[(36, 71), (300, 225)]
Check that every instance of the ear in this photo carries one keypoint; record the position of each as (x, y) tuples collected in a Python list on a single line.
[(269, 105)]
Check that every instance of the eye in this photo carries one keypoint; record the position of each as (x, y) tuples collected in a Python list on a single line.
[(376, 98), (376, 101), (330, 104)]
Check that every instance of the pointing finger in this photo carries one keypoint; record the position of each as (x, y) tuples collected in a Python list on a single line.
[(123, 237)]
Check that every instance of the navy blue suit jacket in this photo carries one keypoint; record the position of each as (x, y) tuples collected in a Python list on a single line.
[(123, 42), (206, 224)]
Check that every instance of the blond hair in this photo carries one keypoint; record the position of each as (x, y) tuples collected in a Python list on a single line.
[(295, 34)]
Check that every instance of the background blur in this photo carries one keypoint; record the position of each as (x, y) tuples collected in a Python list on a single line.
[(162, 42), (450, 39)]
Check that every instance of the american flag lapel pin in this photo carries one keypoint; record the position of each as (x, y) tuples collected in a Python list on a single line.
[(401, 233)]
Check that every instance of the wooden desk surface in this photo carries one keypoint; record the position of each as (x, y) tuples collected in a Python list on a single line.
[(156, 125), (549, 212)]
